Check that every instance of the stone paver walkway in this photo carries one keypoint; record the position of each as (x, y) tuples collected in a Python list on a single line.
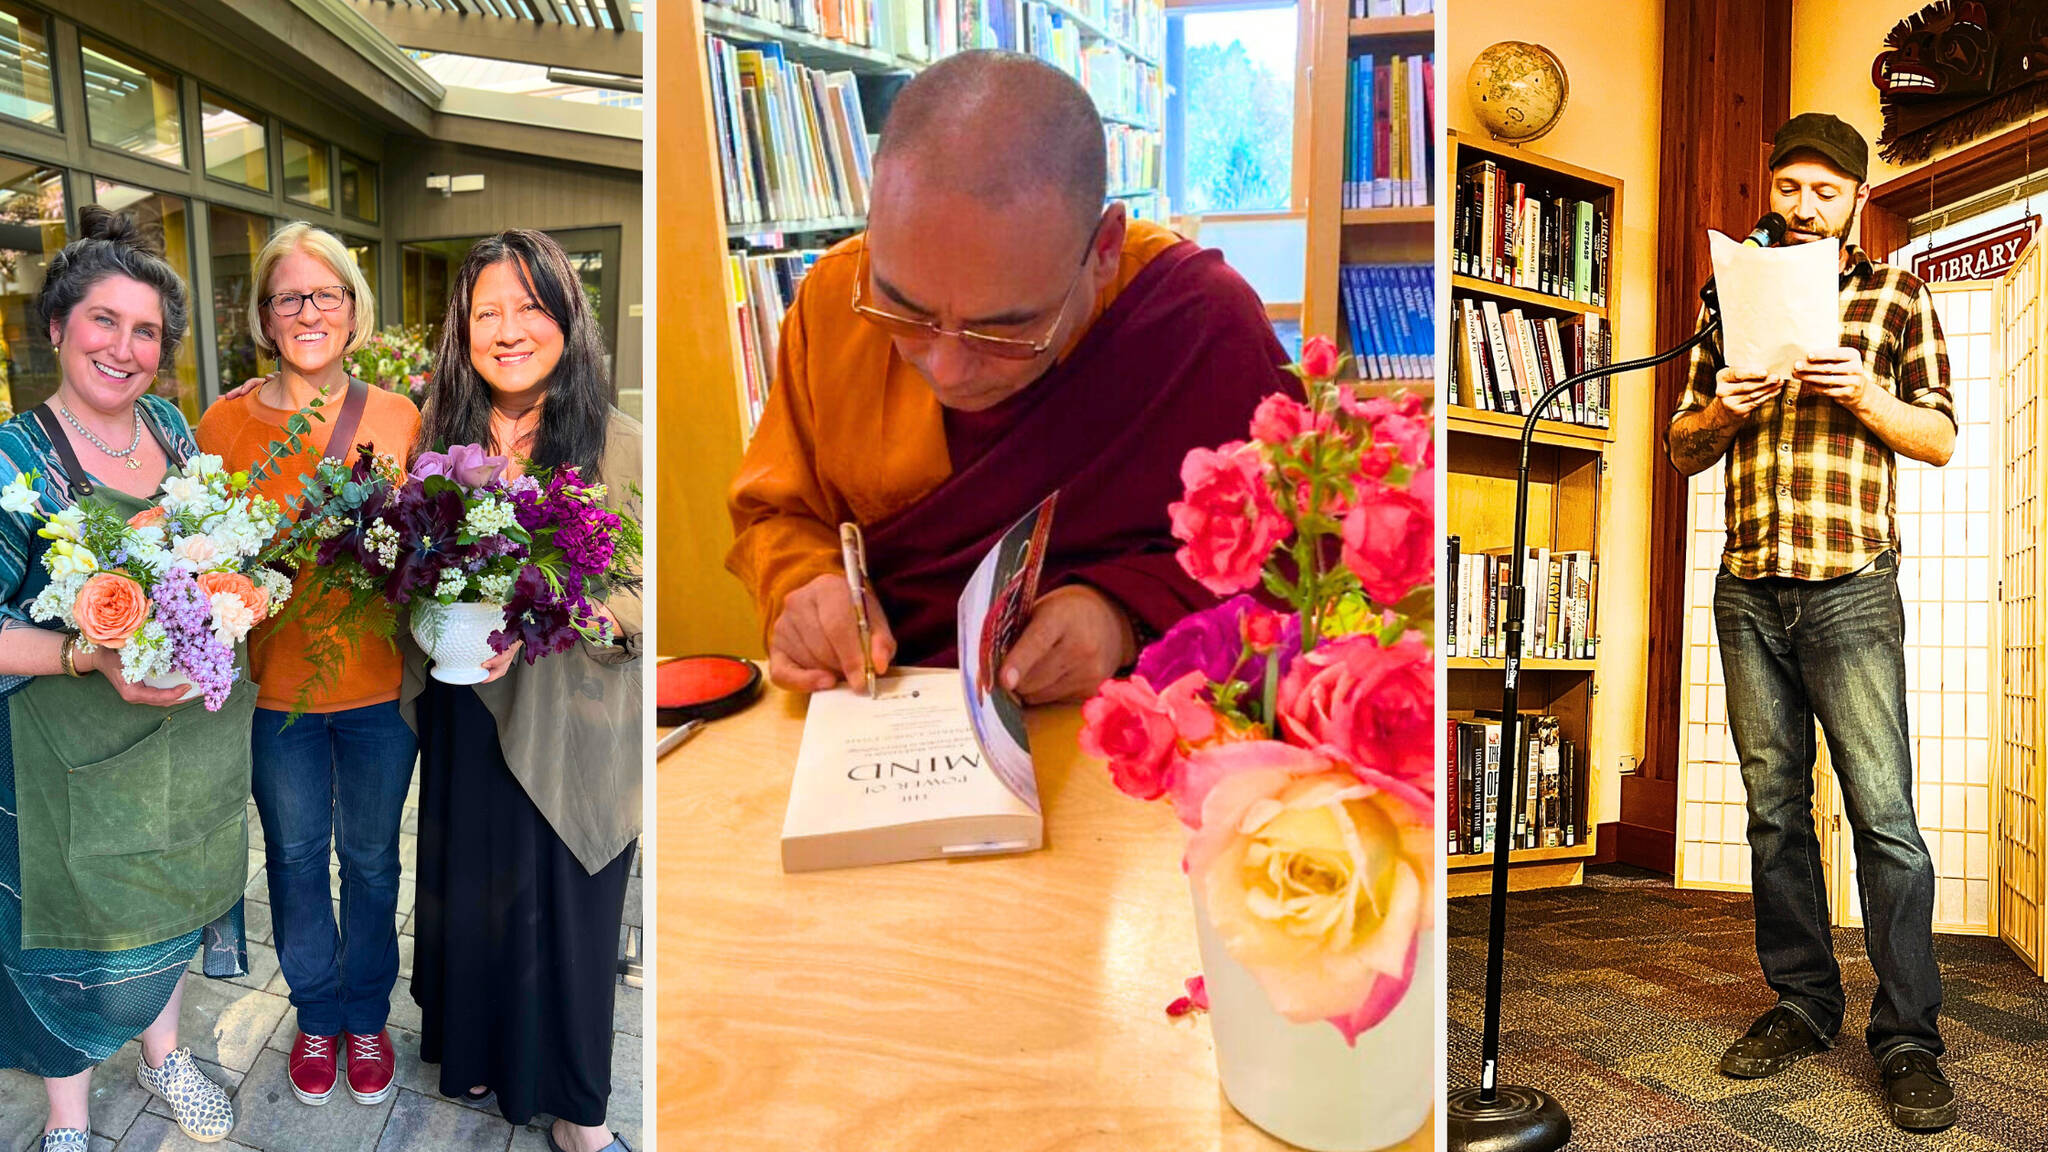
[(242, 1031)]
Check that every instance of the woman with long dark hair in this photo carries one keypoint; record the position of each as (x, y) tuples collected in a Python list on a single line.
[(530, 781)]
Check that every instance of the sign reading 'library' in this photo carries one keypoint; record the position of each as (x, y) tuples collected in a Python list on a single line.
[(1979, 257)]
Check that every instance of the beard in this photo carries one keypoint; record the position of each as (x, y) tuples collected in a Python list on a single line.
[(1813, 232)]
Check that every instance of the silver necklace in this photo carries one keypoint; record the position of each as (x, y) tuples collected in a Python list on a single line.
[(126, 456)]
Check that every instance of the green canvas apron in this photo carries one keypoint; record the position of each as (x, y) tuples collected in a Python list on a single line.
[(133, 824)]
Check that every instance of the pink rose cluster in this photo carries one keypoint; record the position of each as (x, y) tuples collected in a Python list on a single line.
[(1297, 746)]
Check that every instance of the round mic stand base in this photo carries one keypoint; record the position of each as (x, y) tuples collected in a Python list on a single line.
[(1518, 1120)]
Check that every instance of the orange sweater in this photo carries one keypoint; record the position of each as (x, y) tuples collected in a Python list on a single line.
[(238, 431), (883, 447)]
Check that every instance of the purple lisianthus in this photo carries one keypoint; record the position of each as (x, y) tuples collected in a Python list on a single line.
[(1212, 642)]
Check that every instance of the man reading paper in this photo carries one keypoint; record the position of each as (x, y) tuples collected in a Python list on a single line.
[(1811, 626), (997, 334)]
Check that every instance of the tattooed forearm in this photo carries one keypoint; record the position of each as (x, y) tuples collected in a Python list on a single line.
[(1697, 445)]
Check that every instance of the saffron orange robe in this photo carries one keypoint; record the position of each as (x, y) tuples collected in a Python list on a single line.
[(1176, 354)]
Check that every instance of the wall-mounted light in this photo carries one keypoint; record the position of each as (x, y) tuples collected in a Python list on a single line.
[(449, 185)]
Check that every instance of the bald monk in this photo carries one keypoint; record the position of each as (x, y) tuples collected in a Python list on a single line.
[(997, 334)]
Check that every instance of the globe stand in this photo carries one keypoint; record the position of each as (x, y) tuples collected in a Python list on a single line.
[(1492, 1117)]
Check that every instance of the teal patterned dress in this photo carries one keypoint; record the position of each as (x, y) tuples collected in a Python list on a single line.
[(63, 1011)]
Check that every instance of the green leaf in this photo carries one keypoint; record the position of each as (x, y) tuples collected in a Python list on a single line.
[(297, 424)]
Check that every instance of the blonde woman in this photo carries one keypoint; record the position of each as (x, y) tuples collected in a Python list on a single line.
[(337, 776)]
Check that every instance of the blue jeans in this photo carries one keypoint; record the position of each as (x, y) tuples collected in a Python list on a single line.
[(1794, 651), (334, 779)]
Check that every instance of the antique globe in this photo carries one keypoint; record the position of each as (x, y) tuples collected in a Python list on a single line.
[(1518, 90)]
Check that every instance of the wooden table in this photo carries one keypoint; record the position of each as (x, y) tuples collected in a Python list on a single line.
[(1010, 1003)]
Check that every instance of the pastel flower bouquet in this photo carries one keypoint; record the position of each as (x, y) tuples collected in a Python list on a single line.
[(174, 588), (397, 359), (481, 561), (1297, 745)]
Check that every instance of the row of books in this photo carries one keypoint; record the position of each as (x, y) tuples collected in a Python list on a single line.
[(1133, 157), (1559, 592), (1548, 807), (1390, 132), (763, 290), (1504, 361), (1370, 9), (926, 30), (1510, 233), (1390, 309), (793, 144)]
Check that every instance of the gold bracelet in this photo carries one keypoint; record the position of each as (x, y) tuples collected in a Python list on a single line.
[(65, 657)]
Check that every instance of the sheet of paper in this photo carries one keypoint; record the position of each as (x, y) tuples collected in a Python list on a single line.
[(1777, 304)]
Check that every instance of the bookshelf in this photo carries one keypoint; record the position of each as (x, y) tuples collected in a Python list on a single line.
[(1339, 236), (1568, 478)]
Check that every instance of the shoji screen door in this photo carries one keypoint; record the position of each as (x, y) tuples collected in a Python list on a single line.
[(1946, 534), (2021, 502)]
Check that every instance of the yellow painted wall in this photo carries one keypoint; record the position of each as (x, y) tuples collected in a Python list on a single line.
[(1833, 44), (1613, 57)]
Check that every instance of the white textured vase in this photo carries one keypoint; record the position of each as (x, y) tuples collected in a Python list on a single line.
[(457, 637), (1302, 1082), (175, 680)]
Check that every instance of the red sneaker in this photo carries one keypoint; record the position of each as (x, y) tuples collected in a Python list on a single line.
[(370, 1066), (312, 1068)]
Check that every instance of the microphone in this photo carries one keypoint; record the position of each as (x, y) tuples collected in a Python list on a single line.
[(1768, 233)]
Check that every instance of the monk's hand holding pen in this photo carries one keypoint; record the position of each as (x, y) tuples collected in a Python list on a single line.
[(1077, 638), (816, 641)]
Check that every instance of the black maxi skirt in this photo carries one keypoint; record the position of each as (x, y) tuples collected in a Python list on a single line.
[(515, 945)]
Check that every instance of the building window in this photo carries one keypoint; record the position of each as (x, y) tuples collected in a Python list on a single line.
[(165, 218), (132, 106), (1230, 118), (235, 142), (306, 179), (31, 231), (359, 188), (25, 90), (236, 238), (364, 253)]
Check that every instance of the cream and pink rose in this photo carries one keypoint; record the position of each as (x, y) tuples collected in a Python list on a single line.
[(1228, 520), (1317, 882), (1373, 705), (109, 609)]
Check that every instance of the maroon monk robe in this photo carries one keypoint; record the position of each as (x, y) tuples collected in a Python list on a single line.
[(1179, 360)]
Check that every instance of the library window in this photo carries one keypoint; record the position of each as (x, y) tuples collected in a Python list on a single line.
[(1230, 107), (305, 171), (166, 217), (235, 142), (31, 231), (131, 105), (25, 90), (359, 188)]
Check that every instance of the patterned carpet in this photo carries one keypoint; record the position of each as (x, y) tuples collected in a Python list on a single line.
[(1622, 995)]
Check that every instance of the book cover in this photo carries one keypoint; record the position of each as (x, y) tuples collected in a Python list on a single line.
[(939, 764)]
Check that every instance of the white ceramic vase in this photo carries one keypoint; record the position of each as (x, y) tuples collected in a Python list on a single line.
[(1301, 1082), (457, 637), (175, 680)]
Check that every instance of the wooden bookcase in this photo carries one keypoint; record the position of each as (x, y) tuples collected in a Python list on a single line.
[(1338, 236), (702, 390), (1567, 479)]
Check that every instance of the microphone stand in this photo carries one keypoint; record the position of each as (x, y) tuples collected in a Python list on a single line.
[(1509, 1118)]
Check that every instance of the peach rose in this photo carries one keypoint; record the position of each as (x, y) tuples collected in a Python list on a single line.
[(241, 586), (154, 514), (109, 609), (1317, 882)]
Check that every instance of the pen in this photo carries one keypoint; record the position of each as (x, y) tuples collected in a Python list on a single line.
[(853, 551), (675, 737)]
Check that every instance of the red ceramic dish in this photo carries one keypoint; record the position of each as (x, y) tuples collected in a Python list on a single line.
[(690, 688)]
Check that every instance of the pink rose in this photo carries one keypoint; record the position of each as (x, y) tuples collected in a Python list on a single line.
[(1280, 418), (1373, 706), (1228, 521), (1138, 730), (1262, 627), (1390, 541), (1319, 357), (1316, 882)]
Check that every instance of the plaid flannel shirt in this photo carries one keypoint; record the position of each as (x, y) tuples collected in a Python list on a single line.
[(1812, 491)]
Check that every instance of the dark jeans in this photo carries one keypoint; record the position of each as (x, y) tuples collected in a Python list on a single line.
[(339, 779), (1794, 650)]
